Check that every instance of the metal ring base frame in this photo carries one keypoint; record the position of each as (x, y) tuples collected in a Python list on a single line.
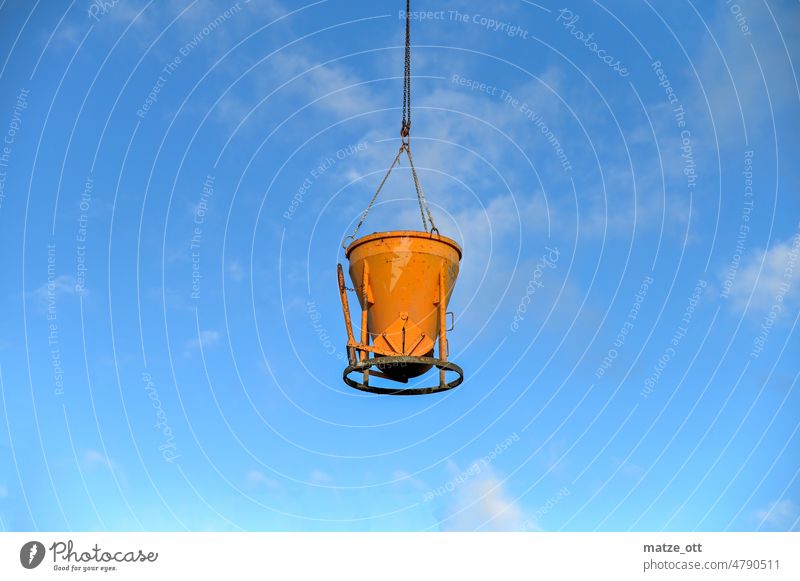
[(367, 363)]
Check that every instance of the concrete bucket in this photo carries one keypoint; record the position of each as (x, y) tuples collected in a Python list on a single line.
[(403, 280)]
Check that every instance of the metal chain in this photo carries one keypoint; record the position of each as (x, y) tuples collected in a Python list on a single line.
[(375, 197), (405, 128), (420, 193), (405, 132)]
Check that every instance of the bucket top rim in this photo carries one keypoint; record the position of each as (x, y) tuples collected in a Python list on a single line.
[(403, 234)]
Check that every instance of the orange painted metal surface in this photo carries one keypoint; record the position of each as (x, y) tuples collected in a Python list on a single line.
[(403, 280)]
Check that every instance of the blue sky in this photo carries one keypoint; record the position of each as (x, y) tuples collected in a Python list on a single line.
[(177, 178)]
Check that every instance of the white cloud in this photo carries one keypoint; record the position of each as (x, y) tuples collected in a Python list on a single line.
[(737, 92), (299, 77), (403, 477), (320, 477), (257, 479), (236, 271), (780, 515), (613, 211), (503, 223), (481, 503), (94, 458), (204, 340), (69, 34), (627, 468), (63, 284), (108, 19), (317, 80), (760, 282)]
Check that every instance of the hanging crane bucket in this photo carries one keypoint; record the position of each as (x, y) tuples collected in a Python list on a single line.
[(403, 280)]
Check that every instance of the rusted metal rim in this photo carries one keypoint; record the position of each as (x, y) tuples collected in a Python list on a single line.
[(402, 360), (403, 234)]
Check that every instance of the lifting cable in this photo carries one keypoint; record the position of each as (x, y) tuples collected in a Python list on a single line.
[(405, 146)]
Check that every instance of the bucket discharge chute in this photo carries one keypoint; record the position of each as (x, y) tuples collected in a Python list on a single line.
[(403, 280)]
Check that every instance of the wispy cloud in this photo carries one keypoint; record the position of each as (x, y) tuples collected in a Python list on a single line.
[(94, 458), (204, 340), (299, 76), (259, 480), (48, 294), (781, 515), (767, 278), (403, 477), (107, 20), (481, 504), (731, 66), (236, 271), (63, 284), (319, 477)]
